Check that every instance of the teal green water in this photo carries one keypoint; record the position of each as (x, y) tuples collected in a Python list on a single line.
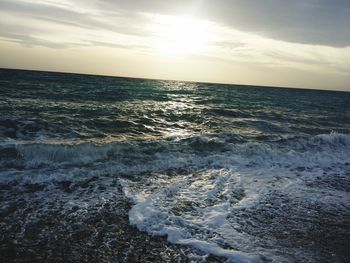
[(39, 105)]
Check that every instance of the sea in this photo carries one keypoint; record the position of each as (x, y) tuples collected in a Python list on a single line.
[(113, 169)]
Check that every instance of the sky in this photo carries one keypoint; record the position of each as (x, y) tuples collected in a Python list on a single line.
[(299, 43)]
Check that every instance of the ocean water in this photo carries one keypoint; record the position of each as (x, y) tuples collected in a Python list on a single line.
[(108, 169)]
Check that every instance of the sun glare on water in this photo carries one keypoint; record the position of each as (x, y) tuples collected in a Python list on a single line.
[(180, 36)]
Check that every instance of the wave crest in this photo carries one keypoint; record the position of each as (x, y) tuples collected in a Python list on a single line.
[(322, 150)]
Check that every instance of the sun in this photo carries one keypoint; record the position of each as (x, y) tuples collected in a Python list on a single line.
[(180, 36)]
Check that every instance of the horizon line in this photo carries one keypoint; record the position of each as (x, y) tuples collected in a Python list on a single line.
[(178, 80)]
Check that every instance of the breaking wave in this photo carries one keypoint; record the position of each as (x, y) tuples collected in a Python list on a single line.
[(319, 150), (223, 197)]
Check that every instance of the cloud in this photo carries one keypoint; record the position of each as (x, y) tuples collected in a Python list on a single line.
[(47, 12), (116, 45), (231, 45), (32, 41), (50, 24), (98, 19), (317, 22)]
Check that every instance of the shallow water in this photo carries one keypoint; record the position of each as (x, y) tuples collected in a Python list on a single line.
[(108, 169)]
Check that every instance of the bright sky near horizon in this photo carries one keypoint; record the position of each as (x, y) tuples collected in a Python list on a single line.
[(300, 43)]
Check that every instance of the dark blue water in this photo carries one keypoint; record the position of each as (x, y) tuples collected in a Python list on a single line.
[(248, 174)]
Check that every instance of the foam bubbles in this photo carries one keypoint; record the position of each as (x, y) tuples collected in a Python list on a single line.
[(243, 201), (205, 209)]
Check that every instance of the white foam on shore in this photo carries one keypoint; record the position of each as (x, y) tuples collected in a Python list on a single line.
[(193, 211), (198, 198), (204, 209)]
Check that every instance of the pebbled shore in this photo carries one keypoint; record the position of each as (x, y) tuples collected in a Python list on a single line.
[(33, 230)]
